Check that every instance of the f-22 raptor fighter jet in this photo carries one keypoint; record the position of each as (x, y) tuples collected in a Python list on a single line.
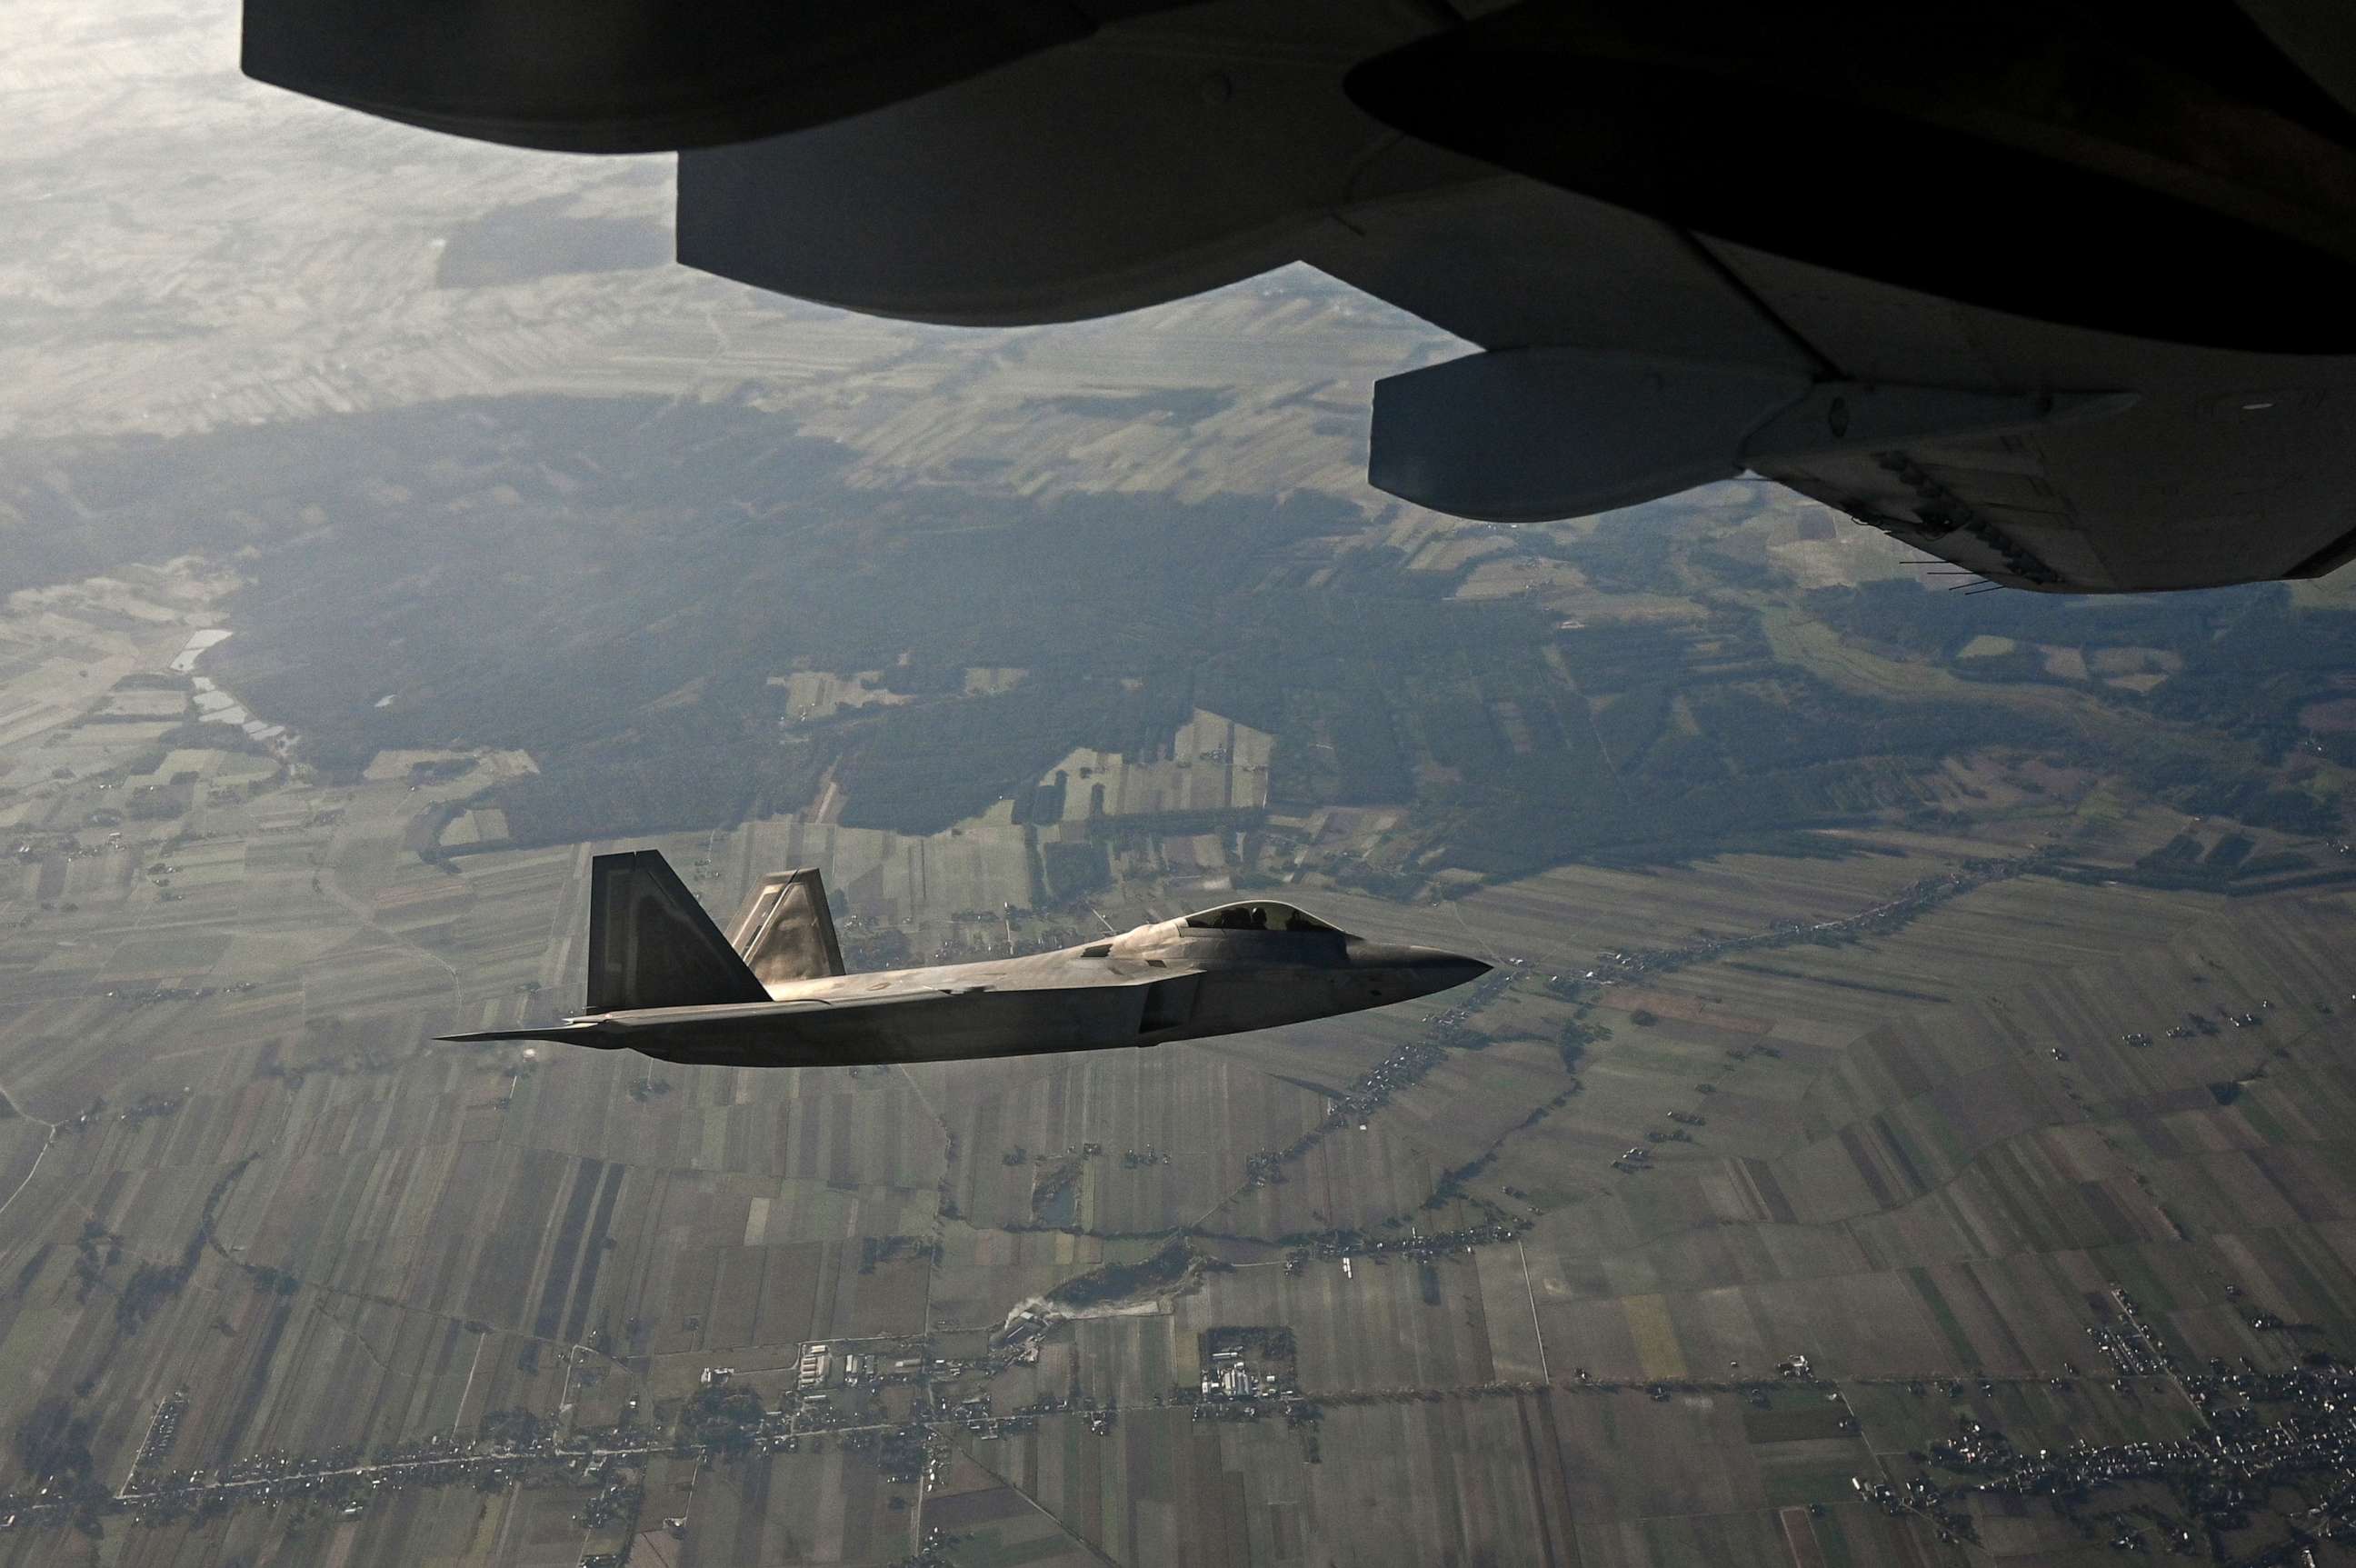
[(664, 981)]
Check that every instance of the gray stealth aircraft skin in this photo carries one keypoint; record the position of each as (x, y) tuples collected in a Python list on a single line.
[(664, 981)]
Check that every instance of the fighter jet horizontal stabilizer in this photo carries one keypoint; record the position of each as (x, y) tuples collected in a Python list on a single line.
[(562, 1034)]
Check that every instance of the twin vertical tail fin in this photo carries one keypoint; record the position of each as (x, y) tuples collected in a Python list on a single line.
[(786, 932), (651, 945)]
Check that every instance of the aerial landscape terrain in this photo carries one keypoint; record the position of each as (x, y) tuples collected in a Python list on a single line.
[(1899, 1127)]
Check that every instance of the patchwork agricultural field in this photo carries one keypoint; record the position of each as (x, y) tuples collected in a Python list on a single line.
[(1920, 1108), (1907, 1121)]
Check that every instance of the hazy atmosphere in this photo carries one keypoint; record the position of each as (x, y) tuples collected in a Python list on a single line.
[(1914, 1043)]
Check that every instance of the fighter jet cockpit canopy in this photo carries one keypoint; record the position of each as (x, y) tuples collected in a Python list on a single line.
[(1257, 916)]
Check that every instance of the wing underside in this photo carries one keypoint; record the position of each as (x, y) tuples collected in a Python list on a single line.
[(2111, 505), (2056, 294)]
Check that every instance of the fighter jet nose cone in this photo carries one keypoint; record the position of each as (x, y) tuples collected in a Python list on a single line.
[(1455, 969), (1422, 970), (1433, 970)]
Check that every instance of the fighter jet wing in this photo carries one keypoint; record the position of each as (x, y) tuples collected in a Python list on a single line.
[(787, 932)]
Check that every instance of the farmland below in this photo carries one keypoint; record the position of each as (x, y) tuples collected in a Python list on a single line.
[(1907, 1121)]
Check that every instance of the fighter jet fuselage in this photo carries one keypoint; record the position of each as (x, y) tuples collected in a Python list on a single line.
[(657, 985)]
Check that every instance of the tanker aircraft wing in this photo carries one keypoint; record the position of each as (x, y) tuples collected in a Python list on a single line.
[(2056, 289)]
